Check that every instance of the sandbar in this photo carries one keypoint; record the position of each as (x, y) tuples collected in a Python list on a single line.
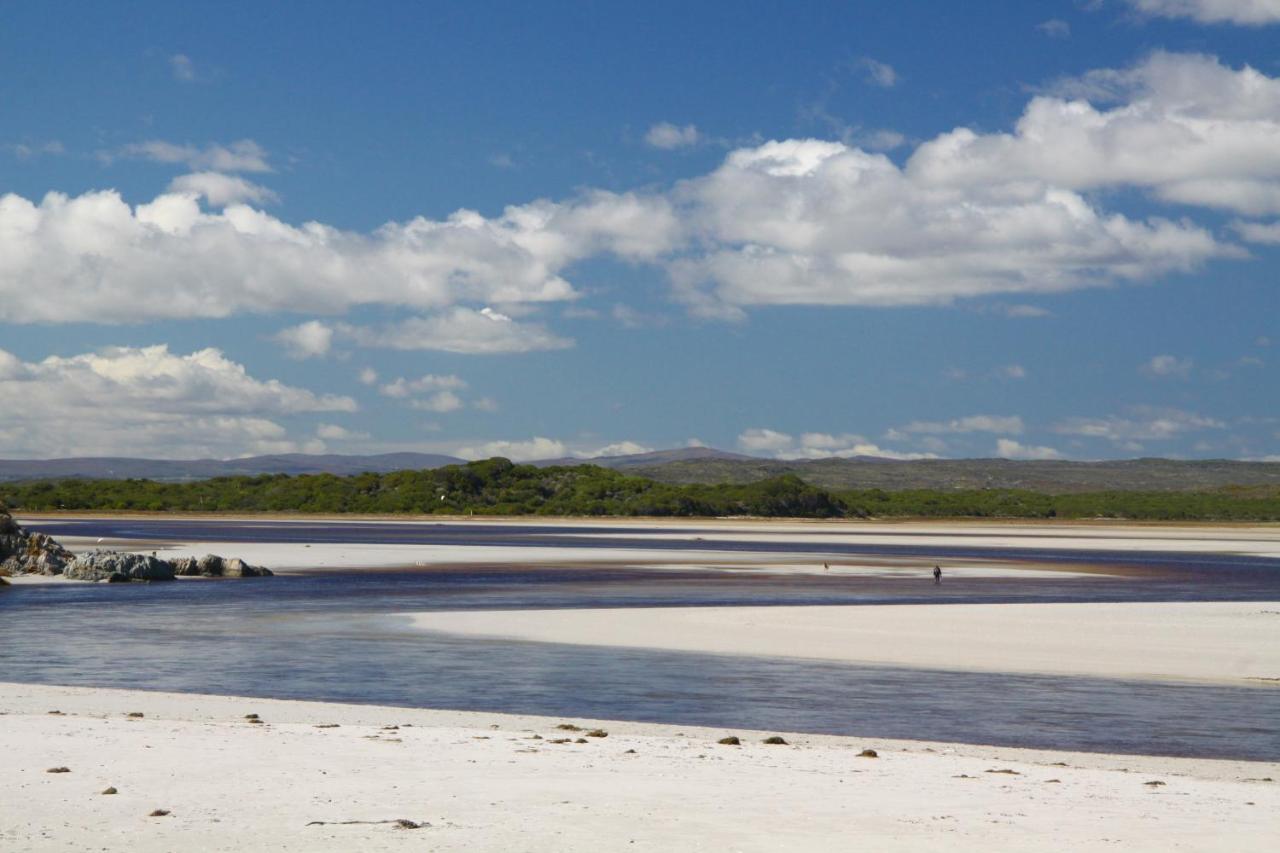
[(1219, 642)]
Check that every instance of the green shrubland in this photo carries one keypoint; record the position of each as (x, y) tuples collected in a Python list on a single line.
[(499, 487)]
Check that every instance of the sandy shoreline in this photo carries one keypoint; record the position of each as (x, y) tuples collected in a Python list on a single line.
[(232, 785), (1218, 642)]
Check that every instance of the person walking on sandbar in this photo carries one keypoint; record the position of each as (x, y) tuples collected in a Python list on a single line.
[(937, 576)]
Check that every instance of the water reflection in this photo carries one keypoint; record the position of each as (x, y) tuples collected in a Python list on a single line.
[(329, 637)]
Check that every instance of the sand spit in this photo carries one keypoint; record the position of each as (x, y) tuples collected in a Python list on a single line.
[(287, 557), (1221, 642), (1259, 542), (1254, 540), (196, 773)]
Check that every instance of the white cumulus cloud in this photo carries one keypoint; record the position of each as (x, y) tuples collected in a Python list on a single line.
[(786, 222), (1244, 12), (1055, 28), (667, 136), (333, 432), (243, 155), (439, 402), (1139, 423), (1184, 126), (306, 340), (1167, 366), (428, 393), (151, 402), (459, 330), (617, 448), (821, 223), (402, 387), (517, 451), (94, 258), (879, 73), (1258, 232), (1007, 448), (221, 190), (756, 440), (816, 445)]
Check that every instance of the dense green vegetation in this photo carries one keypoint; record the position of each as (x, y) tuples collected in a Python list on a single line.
[(498, 487)]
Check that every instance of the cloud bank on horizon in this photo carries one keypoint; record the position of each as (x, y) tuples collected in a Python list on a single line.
[(1133, 174)]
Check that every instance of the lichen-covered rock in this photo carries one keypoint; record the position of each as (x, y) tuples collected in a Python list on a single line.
[(210, 566), (213, 566), (116, 567), (237, 568), (23, 553)]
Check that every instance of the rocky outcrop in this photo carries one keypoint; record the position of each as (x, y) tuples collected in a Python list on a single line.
[(23, 553), (213, 566), (117, 567)]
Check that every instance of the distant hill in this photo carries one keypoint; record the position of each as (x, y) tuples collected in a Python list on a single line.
[(1054, 477), (690, 465), (181, 470)]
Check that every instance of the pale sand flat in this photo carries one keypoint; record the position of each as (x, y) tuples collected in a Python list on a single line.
[(1222, 642), (287, 557), (230, 785)]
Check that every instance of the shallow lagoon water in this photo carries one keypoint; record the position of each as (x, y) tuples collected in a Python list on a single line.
[(336, 637)]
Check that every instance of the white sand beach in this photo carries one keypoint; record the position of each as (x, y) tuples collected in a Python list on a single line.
[(1224, 642), (479, 782)]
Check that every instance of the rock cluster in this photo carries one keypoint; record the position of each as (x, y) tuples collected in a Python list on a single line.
[(213, 566), (24, 553), (115, 567)]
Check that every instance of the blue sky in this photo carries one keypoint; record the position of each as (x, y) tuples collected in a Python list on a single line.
[(799, 230)]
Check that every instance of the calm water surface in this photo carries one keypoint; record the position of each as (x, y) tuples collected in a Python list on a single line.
[(337, 638)]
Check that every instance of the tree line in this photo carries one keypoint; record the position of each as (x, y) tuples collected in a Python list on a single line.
[(499, 487)]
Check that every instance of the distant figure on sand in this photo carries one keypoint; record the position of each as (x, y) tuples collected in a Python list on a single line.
[(937, 575)]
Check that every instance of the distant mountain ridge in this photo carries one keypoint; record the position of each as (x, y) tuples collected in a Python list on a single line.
[(178, 470), (1055, 476), (708, 465)]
